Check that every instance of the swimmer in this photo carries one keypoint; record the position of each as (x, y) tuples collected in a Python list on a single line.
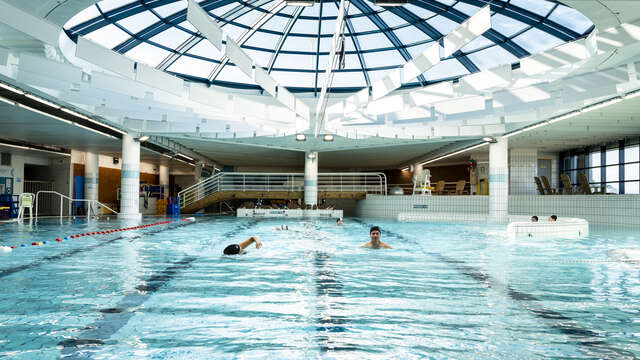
[(375, 243), (339, 222), (282, 227), (534, 218), (237, 249), (553, 218)]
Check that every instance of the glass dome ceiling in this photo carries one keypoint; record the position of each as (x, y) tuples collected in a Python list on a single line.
[(293, 42)]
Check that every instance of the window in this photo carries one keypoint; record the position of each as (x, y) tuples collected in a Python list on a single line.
[(619, 174)]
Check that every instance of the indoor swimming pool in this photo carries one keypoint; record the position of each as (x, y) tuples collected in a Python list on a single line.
[(445, 290)]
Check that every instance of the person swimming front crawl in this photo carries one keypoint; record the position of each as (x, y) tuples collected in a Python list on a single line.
[(237, 249)]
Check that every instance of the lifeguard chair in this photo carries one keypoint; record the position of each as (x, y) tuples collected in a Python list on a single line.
[(25, 202), (423, 183)]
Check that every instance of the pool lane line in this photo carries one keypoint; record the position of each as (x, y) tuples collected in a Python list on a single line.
[(328, 286), (53, 258), (115, 318), (588, 339), (102, 232)]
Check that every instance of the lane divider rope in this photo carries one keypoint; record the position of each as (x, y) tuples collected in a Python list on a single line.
[(94, 233)]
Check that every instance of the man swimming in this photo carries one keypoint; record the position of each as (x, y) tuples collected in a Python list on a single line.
[(375, 243), (237, 249)]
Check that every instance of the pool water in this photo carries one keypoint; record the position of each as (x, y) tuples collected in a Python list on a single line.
[(444, 291)]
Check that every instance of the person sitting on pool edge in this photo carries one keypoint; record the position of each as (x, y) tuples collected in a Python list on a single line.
[(237, 249), (553, 218), (534, 218), (375, 243)]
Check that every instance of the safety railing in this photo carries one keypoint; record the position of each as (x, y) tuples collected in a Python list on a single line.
[(64, 197), (371, 183)]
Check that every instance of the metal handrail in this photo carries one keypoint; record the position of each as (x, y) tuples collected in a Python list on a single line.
[(62, 197), (334, 182)]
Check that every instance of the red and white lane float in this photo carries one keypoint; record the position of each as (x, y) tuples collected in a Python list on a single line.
[(7, 249)]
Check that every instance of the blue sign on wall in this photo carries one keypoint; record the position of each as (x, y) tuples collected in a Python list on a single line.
[(420, 206)]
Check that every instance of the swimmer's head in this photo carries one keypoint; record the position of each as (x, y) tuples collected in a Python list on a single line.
[(234, 249), (534, 218), (553, 218), (374, 234), (339, 221)]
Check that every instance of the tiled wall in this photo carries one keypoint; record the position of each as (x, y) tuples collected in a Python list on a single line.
[(523, 166), (596, 209), (390, 206)]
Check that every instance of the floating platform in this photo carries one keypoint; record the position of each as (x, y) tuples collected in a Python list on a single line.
[(572, 228), (289, 213)]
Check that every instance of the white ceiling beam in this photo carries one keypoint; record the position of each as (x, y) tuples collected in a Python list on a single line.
[(29, 24)]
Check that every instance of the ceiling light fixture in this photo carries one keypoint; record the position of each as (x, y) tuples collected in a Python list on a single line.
[(185, 156), (81, 116), (311, 155), (11, 88), (34, 149), (143, 138), (489, 139), (455, 153), (327, 137), (7, 101), (299, 3), (301, 137), (42, 101)]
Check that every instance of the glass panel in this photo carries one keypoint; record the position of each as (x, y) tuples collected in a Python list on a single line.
[(613, 188), (540, 7), (632, 187), (223, 9), (571, 18), (374, 41), (383, 58), (594, 175), (391, 19), (611, 157), (349, 79), (138, 22), (193, 67), (492, 57), (233, 74), (414, 51), (295, 79), (442, 24), (362, 23), (85, 15), (259, 57), (409, 35), (109, 36), (303, 26), (290, 61), (171, 38), (147, 54), (506, 25), (263, 40), (446, 69), (594, 159), (632, 171), (477, 43), (573, 175), (631, 154), (297, 43), (170, 9), (276, 23), (613, 173), (422, 13), (205, 49), (466, 8), (113, 4), (536, 41)]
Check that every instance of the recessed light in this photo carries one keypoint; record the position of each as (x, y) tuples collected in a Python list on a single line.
[(328, 137), (301, 137)]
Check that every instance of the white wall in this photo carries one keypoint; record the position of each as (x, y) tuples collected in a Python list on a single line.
[(17, 163), (523, 167)]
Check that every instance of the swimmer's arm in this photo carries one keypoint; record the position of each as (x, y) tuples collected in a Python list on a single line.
[(386, 246), (366, 245), (249, 241)]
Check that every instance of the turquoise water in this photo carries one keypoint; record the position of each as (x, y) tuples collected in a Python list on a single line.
[(445, 291)]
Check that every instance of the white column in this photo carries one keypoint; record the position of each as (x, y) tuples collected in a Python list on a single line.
[(498, 180), (130, 180), (311, 178), (91, 182), (164, 179)]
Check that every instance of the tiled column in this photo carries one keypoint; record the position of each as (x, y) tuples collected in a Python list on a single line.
[(498, 180), (164, 179), (523, 166), (130, 180), (311, 178), (91, 174)]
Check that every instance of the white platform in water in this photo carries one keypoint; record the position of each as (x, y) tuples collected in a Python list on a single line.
[(572, 228), (292, 213)]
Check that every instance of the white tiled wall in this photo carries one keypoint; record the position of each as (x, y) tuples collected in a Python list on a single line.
[(523, 166), (390, 206), (596, 209)]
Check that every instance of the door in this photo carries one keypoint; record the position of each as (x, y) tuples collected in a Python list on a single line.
[(544, 169)]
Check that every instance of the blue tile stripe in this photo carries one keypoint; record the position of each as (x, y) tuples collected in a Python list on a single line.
[(311, 183), (130, 174), (493, 178)]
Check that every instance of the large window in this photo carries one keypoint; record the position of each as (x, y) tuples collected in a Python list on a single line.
[(614, 168)]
